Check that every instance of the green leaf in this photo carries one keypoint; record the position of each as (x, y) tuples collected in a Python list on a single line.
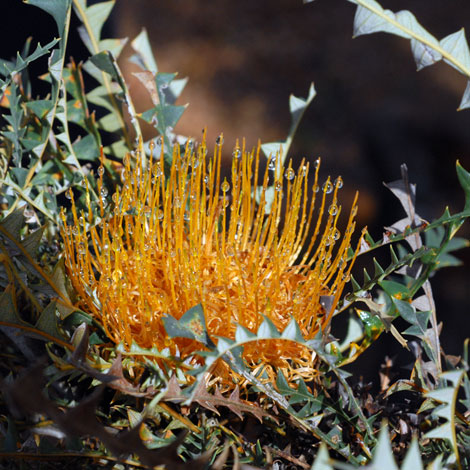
[(456, 45), (13, 223), (448, 397), (40, 107), (465, 102), (96, 16), (86, 149), (322, 459), (378, 270), (105, 62), (103, 67), (10, 68), (31, 241), (412, 459), (144, 57), (354, 333), (292, 332), (371, 17), (267, 330), (191, 325), (243, 334), (383, 455), (393, 288), (297, 107), (47, 322), (282, 384), (109, 123), (58, 9), (8, 311), (167, 116), (464, 180), (93, 19), (58, 279)]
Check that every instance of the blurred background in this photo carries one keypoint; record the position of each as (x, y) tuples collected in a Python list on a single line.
[(373, 111)]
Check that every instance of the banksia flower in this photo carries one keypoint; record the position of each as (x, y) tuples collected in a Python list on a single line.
[(245, 248)]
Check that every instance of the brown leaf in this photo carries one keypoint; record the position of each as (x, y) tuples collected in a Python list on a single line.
[(148, 80), (212, 401), (81, 420), (114, 377), (119, 382)]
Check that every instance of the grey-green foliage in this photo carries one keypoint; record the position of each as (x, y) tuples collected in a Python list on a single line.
[(383, 458), (297, 108), (42, 157), (57, 154), (371, 17)]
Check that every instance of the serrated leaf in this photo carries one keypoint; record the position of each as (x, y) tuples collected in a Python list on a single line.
[(448, 396), (224, 344), (191, 325), (175, 89), (105, 62), (144, 57), (40, 107), (412, 459), (31, 241), (8, 311), (97, 15), (292, 332), (465, 102), (58, 9), (58, 279), (322, 459), (86, 149), (383, 455), (282, 385), (378, 270), (47, 321), (372, 18), (464, 180), (167, 115), (147, 79), (242, 334), (109, 123), (354, 333), (456, 45), (13, 223), (297, 107), (10, 68), (267, 330)]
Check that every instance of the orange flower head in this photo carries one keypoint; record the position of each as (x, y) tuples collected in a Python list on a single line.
[(245, 247)]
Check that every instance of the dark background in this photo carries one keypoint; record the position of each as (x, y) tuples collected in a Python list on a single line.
[(373, 110)]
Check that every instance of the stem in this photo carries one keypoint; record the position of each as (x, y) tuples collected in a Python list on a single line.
[(446, 55)]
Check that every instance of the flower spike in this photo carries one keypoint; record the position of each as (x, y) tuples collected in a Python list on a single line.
[(246, 247)]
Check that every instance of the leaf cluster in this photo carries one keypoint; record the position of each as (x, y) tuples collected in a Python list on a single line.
[(91, 400)]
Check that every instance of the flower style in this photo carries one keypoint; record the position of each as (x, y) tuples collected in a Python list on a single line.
[(240, 247)]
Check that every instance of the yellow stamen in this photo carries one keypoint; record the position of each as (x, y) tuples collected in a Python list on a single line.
[(193, 237)]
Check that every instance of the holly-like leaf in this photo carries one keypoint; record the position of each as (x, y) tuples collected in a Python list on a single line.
[(47, 322), (191, 325), (464, 180), (448, 397), (297, 107)]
